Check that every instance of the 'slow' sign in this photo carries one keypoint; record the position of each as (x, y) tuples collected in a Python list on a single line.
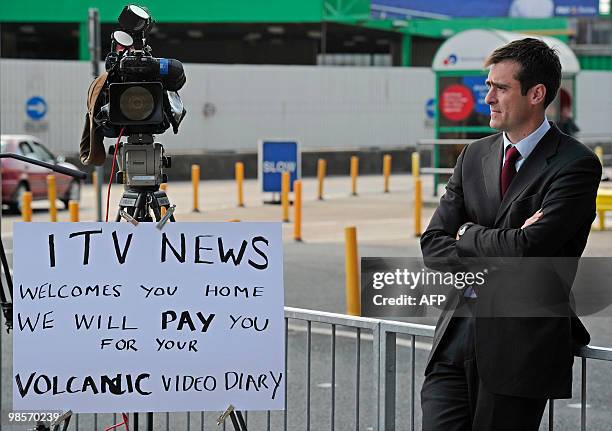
[(276, 157), (111, 317)]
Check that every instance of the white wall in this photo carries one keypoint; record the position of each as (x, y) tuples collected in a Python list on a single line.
[(594, 103), (323, 107)]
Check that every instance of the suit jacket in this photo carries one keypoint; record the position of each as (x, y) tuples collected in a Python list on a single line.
[(528, 357)]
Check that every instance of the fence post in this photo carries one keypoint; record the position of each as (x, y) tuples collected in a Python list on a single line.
[(600, 153), (239, 171), (387, 170), (195, 184), (416, 165), (26, 206), (285, 178), (387, 375), (418, 204), (321, 168), (73, 208), (351, 267), (354, 174), (297, 207), (418, 195), (52, 195)]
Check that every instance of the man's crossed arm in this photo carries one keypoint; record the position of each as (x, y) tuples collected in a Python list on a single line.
[(567, 206)]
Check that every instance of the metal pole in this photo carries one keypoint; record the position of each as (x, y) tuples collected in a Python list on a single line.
[(321, 168), (354, 174), (351, 269), (297, 223), (285, 187), (323, 42), (195, 184), (95, 54)]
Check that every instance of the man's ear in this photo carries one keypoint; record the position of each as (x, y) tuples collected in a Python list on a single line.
[(537, 93)]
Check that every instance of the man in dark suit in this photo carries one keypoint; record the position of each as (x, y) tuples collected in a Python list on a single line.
[(527, 191)]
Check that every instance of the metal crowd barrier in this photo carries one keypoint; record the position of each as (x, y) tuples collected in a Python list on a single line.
[(384, 337)]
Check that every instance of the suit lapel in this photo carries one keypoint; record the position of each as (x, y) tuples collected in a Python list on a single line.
[(531, 169), (491, 169)]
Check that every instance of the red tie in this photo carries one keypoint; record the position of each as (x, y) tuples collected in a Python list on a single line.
[(509, 169)]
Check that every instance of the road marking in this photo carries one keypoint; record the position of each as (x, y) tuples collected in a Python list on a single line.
[(420, 345)]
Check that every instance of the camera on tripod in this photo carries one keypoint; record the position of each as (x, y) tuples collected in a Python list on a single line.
[(139, 99)]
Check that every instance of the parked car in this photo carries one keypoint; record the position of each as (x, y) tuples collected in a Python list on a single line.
[(19, 177)]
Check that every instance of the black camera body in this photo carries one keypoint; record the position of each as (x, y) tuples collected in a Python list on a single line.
[(141, 91)]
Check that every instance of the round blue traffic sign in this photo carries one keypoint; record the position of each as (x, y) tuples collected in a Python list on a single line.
[(36, 108), (430, 108)]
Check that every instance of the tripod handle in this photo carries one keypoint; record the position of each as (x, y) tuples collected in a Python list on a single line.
[(57, 168)]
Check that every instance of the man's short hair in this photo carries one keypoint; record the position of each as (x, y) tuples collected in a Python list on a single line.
[(539, 65)]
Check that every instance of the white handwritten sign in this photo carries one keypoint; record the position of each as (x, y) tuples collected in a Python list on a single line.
[(110, 317)]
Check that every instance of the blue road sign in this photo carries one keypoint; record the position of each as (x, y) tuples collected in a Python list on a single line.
[(430, 108), (36, 108), (479, 91), (276, 157)]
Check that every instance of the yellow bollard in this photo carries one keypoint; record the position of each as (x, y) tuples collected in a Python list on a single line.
[(418, 204), (297, 207), (387, 170), (52, 195), (321, 168), (239, 171), (26, 206), (600, 153), (285, 178), (73, 208), (351, 267), (94, 180), (354, 173), (164, 188), (195, 184), (416, 165)]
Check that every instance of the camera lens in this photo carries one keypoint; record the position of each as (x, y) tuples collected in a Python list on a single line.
[(136, 103)]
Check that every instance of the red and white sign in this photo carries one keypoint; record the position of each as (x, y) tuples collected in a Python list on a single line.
[(456, 102)]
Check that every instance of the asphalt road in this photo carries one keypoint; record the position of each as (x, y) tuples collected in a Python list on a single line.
[(314, 279)]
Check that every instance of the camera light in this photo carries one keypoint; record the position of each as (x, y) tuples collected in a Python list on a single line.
[(136, 103), (135, 19)]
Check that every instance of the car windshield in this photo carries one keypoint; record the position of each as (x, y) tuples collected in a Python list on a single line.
[(44, 154)]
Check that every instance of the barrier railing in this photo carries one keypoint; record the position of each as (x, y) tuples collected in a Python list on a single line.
[(384, 337)]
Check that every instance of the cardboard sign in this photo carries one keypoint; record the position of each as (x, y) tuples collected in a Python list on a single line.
[(111, 317)]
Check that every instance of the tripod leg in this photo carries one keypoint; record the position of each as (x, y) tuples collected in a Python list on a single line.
[(241, 420), (139, 206), (156, 210), (235, 422), (7, 274)]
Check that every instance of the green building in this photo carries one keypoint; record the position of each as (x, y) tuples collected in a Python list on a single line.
[(305, 32)]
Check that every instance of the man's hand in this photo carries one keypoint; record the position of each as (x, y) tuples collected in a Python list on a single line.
[(531, 220)]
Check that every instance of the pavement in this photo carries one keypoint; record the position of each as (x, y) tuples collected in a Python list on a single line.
[(314, 279)]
